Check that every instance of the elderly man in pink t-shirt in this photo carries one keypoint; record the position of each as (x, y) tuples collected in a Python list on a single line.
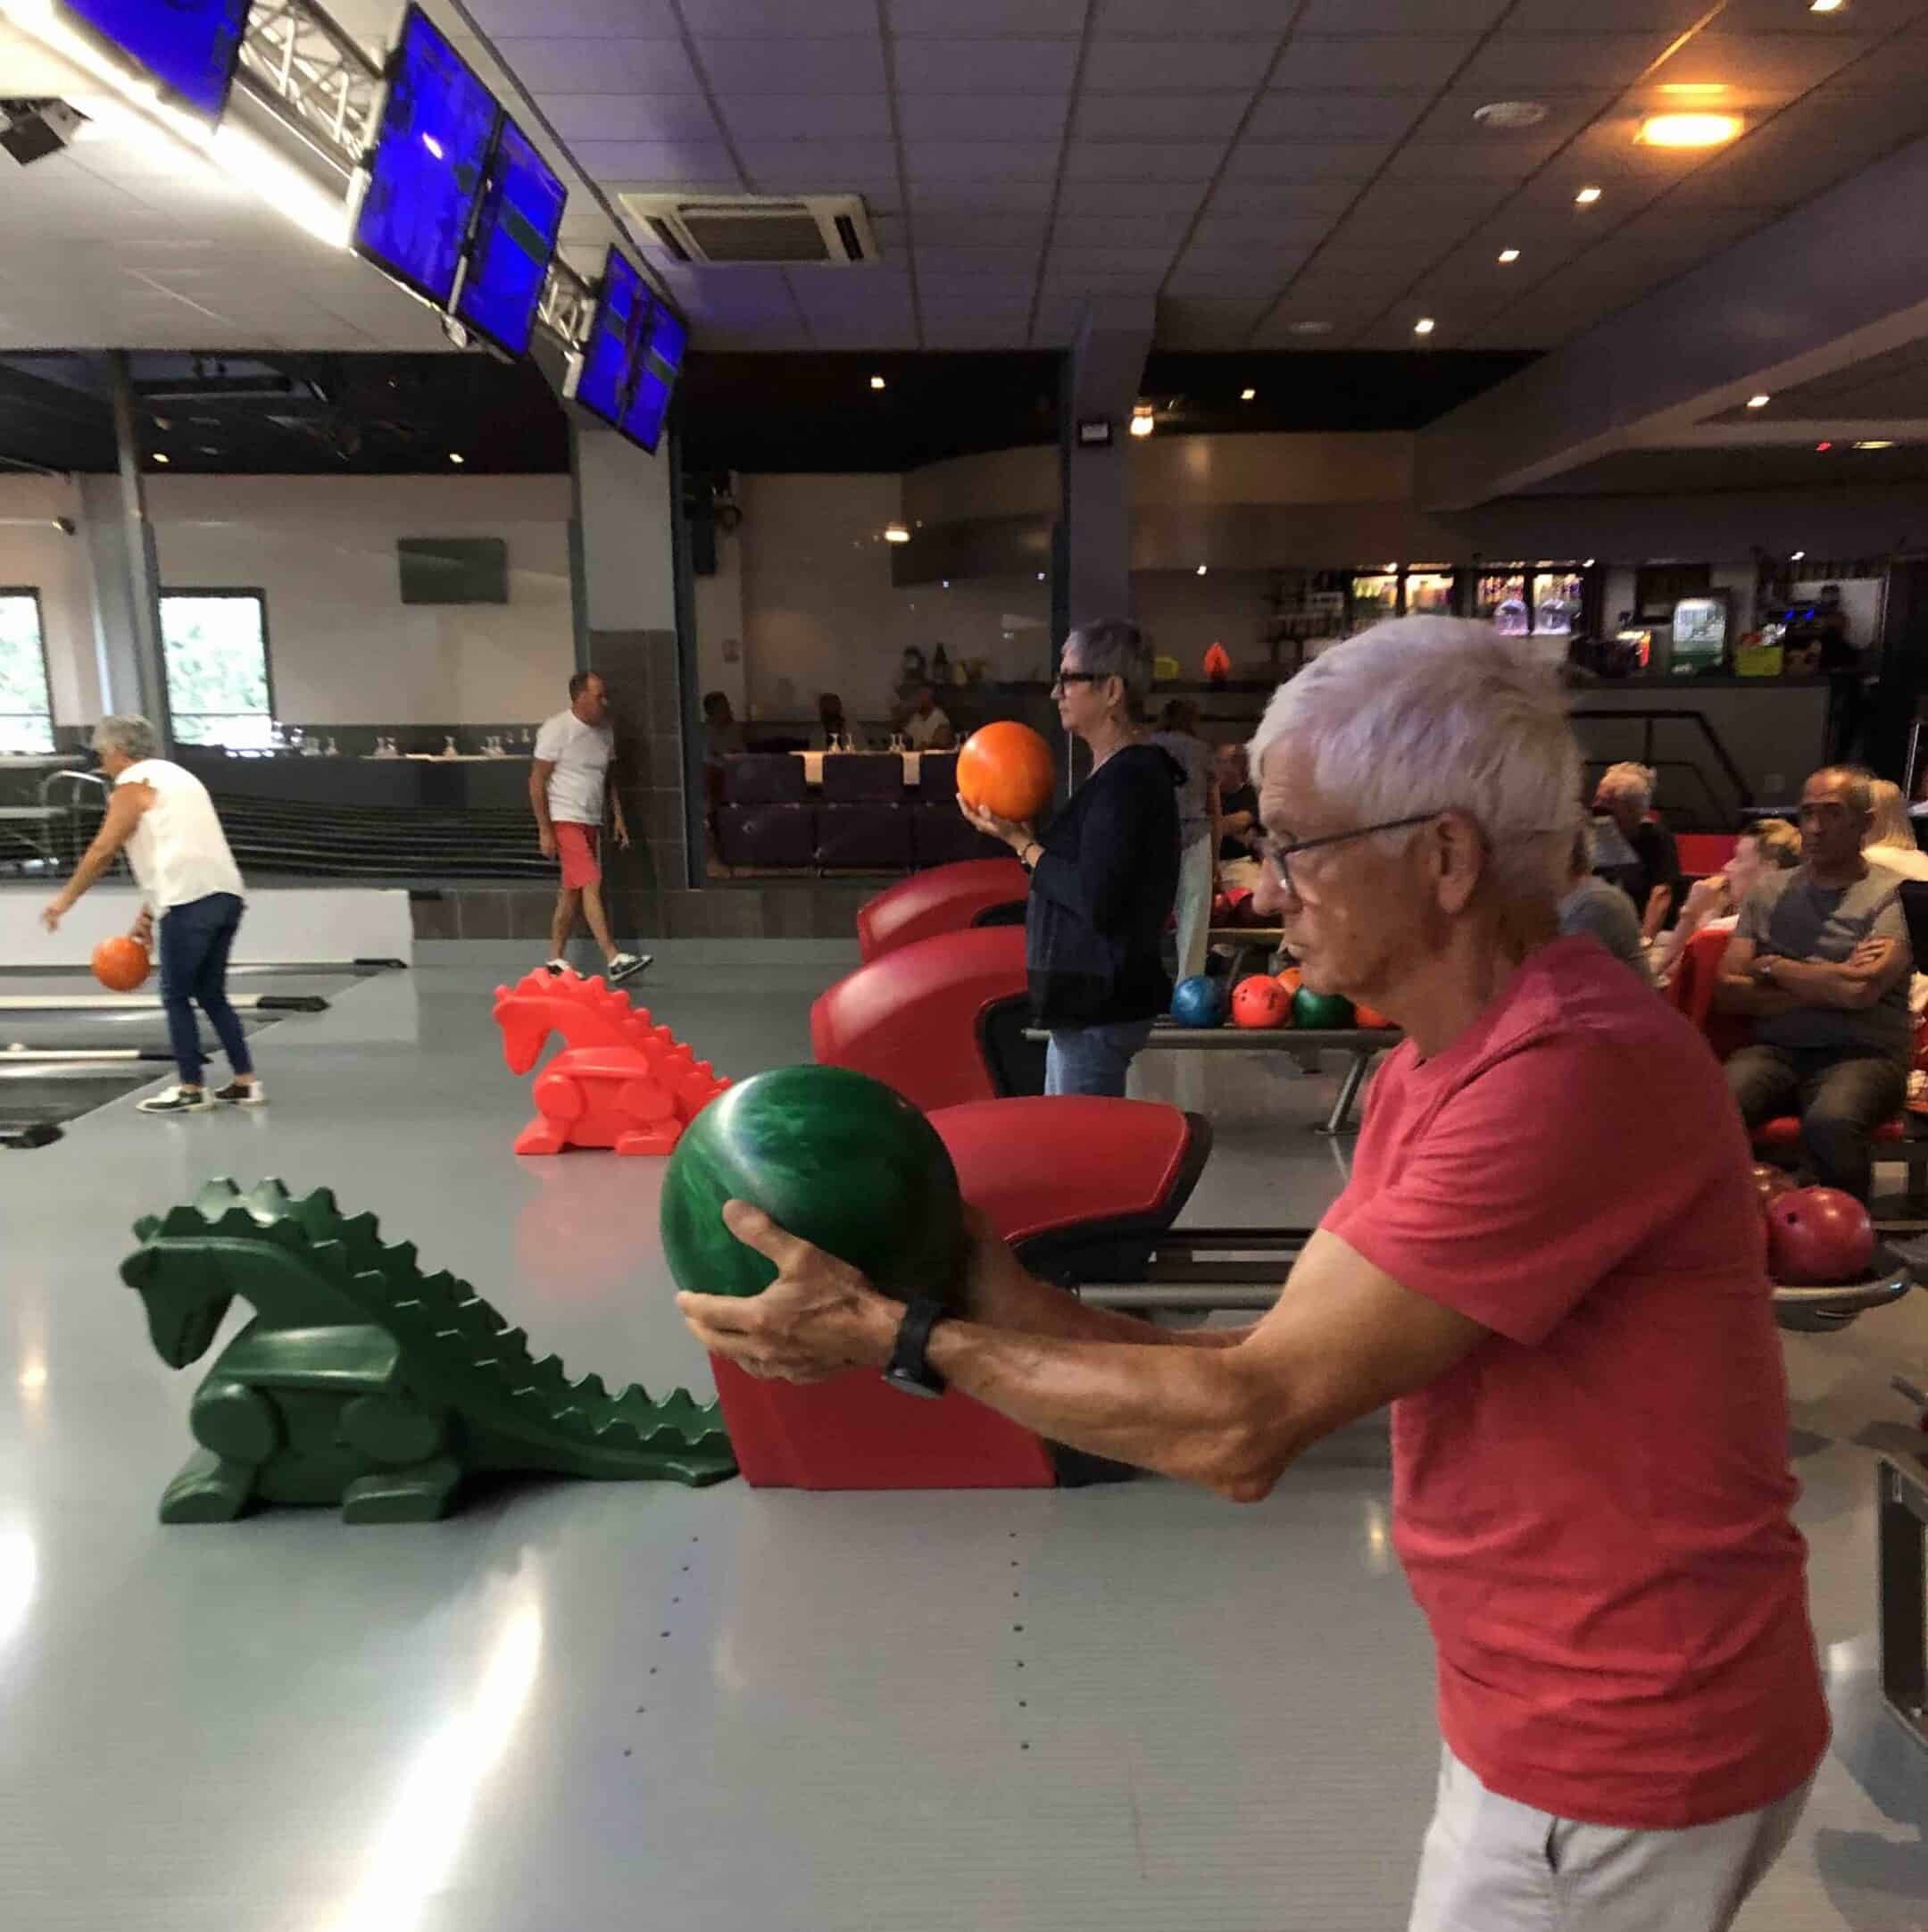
[(1548, 1259)]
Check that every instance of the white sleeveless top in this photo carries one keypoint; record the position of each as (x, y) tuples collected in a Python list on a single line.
[(179, 851)]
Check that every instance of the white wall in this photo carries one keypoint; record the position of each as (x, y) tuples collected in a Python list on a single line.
[(718, 604), (820, 610), (36, 555)]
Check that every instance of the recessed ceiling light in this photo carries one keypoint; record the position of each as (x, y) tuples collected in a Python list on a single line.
[(1248, 395), (1689, 130), (1511, 113), (1588, 566), (877, 382), (1587, 196), (1509, 254), (1759, 402), (1423, 326), (895, 533), (1696, 90), (1821, 449), (161, 455), (457, 458), (1040, 577), (208, 449), (1143, 425), (1876, 442), (946, 582), (1794, 556), (1824, 6), (1308, 328)]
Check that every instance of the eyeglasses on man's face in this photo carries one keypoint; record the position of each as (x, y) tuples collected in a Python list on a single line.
[(1064, 679), (1279, 854)]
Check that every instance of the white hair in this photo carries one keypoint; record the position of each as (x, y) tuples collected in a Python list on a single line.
[(133, 737), (1634, 779), (1435, 714)]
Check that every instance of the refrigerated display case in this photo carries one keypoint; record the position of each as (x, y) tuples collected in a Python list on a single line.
[(1699, 634), (1374, 597), (1537, 600), (1428, 590)]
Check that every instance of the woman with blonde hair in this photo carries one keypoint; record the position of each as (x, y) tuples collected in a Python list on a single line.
[(1891, 839), (1714, 904)]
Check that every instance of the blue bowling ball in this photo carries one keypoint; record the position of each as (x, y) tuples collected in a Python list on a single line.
[(1199, 1002)]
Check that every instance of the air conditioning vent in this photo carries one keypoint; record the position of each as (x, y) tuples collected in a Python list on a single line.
[(829, 231)]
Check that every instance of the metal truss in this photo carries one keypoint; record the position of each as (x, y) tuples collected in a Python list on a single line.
[(315, 74)]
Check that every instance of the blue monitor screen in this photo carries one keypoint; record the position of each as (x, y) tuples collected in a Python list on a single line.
[(655, 380), (622, 313), (515, 237), (429, 157), (188, 45)]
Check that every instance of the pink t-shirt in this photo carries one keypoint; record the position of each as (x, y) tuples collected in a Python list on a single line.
[(1592, 1508)]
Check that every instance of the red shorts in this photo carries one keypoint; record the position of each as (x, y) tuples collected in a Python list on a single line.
[(578, 846)]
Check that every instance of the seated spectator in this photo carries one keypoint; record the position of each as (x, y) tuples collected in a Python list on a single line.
[(1626, 795), (1890, 841), (830, 720), (1601, 912), (927, 729), (1238, 803), (1714, 902), (722, 735), (1819, 961)]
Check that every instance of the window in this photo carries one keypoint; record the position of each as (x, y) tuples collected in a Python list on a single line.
[(215, 643), (26, 711)]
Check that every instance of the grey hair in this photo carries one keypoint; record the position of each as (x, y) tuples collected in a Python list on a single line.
[(1860, 793), (1441, 715), (133, 737), (1115, 648), (1630, 778)]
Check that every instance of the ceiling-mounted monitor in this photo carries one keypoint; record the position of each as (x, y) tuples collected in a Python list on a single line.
[(429, 161), (514, 240), (655, 378), (188, 46), (601, 375)]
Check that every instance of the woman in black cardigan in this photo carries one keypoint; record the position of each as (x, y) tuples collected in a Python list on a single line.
[(1104, 876)]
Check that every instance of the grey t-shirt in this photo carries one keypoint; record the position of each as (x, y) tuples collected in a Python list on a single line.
[(1606, 913), (1789, 914), (1194, 796)]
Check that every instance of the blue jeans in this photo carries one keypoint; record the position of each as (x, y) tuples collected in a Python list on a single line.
[(1093, 1060), (195, 940)]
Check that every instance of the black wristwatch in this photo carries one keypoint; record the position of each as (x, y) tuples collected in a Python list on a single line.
[(908, 1368)]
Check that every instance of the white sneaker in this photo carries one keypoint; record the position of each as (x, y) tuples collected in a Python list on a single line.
[(558, 967), (627, 966), (255, 1093), (177, 1100)]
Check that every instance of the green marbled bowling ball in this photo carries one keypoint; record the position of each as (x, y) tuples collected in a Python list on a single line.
[(837, 1158), (1321, 1013)]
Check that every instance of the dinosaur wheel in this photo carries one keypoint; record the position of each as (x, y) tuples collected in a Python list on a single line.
[(390, 1432)]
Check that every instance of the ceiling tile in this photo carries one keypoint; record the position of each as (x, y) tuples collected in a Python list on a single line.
[(630, 117), (1617, 16), (945, 19), (1013, 263), (765, 18), (1235, 234), (1333, 116), (845, 64), (1069, 259), (984, 66), (1251, 276), (1205, 322), (1161, 66), (1520, 61), (1467, 161), (1414, 213), (946, 196), (1400, 16), (545, 66), (1863, 16), (1057, 321), (989, 329), (1127, 197), (1305, 161), (943, 229), (826, 117), (1568, 109), (671, 163), (1188, 17), (1143, 160), (978, 161), (938, 117), (1125, 117), (1287, 201), (1788, 61), (823, 166), (1142, 230), (1372, 60), (654, 20)]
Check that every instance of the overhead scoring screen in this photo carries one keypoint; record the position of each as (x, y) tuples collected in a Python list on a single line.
[(515, 237), (656, 373), (622, 315), (189, 47), (430, 153)]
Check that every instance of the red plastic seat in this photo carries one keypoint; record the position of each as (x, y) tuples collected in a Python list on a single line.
[(941, 1020), (947, 898)]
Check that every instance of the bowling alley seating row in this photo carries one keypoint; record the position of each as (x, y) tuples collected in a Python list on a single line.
[(863, 816)]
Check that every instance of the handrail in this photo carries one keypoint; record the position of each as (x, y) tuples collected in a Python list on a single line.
[(1650, 717)]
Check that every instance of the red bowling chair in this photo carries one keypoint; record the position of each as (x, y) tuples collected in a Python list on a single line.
[(1121, 1172), (941, 1020), (948, 899)]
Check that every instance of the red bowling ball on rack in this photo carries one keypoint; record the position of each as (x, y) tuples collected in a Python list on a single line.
[(1260, 1001), (1816, 1235)]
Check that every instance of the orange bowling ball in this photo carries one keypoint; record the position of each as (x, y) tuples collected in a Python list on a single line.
[(1370, 1016), (1260, 1001), (120, 963), (1006, 769), (1291, 980)]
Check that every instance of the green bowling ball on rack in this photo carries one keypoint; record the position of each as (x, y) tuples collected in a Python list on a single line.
[(834, 1157), (1321, 1013)]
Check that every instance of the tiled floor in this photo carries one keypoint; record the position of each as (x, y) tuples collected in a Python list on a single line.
[(577, 1708)]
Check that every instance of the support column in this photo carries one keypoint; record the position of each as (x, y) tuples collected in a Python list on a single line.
[(626, 601), (124, 578), (1101, 383)]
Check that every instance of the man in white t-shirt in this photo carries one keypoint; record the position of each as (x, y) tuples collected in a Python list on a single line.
[(161, 816), (567, 788), (927, 729)]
